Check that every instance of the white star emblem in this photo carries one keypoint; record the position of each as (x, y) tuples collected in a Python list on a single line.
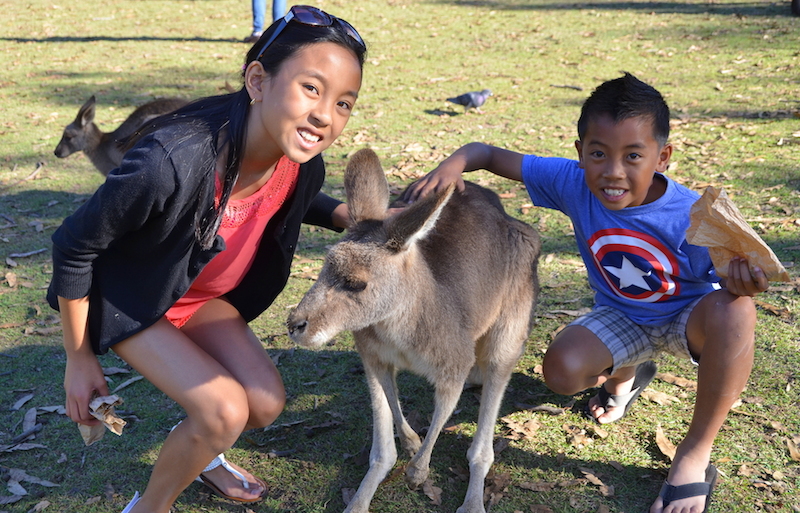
[(629, 275)]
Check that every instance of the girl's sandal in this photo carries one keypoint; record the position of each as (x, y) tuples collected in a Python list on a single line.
[(132, 503), (221, 461)]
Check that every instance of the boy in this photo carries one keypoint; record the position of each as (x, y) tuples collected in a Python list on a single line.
[(653, 291)]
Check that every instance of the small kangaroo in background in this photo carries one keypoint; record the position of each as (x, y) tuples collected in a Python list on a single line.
[(105, 149), (445, 289)]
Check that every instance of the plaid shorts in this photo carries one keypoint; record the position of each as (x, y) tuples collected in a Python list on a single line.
[(630, 343)]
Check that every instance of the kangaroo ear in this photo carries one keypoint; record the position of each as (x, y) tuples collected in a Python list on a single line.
[(366, 187), (415, 222), (86, 113)]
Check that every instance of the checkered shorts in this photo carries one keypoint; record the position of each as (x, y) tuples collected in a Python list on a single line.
[(631, 344)]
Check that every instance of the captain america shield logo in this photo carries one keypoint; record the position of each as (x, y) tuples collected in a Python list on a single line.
[(635, 265)]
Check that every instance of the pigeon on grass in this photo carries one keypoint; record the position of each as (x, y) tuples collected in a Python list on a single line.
[(472, 100)]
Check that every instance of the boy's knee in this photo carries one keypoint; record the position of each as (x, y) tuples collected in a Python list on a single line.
[(729, 312), (563, 374)]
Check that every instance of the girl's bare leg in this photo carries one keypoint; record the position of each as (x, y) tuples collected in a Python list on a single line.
[(184, 365), (219, 330)]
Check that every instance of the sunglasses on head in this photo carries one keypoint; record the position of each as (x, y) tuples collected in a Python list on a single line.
[(308, 15)]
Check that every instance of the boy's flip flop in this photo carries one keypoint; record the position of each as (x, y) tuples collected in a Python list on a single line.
[(671, 493), (645, 372), (221, 461)]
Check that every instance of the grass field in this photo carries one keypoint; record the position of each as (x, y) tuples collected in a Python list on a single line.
[(731, 73)]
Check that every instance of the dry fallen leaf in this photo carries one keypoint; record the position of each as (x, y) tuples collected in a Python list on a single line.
[(347, 495), (126, 383), (521, 430), (21, 447), (40, 506), (29, 421), (496, 485), (537, 486), (110, 371), (777, 311), (461, 473), (577, 436), (794, 451), (500, 445), (677, 381), (10, 499), (434, 493), (21, 402), (667, 448), (19, 475), (659, 397)]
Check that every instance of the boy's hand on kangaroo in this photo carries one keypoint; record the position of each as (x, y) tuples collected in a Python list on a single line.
[(742, 281), (437, 180)]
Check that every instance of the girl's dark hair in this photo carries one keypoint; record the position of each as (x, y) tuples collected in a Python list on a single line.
[(626, 97), (226, 115)]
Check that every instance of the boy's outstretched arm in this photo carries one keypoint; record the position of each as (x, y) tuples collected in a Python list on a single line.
[(469, 157), (741, 281)]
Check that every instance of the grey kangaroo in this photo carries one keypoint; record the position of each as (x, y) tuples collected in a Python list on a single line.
[(105, 149), (445, 289)]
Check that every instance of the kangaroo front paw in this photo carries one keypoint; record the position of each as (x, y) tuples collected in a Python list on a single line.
[(416, 476), (472, 507)]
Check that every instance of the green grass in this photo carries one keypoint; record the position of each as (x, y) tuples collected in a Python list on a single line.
[(731, 73)]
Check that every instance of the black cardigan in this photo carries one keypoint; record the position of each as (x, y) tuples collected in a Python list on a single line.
[(132, 247)]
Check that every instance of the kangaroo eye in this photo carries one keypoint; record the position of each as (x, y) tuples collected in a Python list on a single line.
[(355, 286)]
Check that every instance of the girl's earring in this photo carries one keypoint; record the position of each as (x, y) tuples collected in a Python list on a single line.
[(252, 101)]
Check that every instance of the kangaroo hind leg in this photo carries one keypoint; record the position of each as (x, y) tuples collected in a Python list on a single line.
[(502, 348)]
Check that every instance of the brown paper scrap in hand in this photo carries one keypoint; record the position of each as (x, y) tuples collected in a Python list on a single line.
[(102, 408), (717, 224)]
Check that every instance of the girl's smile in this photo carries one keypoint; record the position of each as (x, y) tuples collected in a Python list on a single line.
[(301, 110)]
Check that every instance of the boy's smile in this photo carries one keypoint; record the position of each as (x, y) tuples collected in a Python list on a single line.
[(620, 161)]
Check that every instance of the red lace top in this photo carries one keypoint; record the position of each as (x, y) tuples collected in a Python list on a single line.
[(243, 224)]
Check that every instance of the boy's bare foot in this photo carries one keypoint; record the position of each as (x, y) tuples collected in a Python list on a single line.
[(603, 413), (619, 392)]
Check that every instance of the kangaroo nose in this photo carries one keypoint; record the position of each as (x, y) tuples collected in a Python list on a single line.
[(297, 327)]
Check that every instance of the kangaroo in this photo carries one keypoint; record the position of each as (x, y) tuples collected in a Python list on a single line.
[(445, 289), (105, 149)]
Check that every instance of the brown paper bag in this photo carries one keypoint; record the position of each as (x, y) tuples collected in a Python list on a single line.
[(717, 224), (102, 408)]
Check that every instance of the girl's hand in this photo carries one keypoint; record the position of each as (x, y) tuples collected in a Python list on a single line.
[(83, 380), (437, 180), (741, 281)]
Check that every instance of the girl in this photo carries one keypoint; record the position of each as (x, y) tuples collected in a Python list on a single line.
[(192, 237)]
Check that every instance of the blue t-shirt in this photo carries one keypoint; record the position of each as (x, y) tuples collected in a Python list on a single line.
[(637, 258)]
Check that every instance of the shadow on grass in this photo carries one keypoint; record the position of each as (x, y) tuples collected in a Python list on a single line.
[(140, 39), (317, 447), (699, 8), (326, 425)]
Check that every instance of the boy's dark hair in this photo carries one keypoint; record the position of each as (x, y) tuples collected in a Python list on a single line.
[(626, 97)]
